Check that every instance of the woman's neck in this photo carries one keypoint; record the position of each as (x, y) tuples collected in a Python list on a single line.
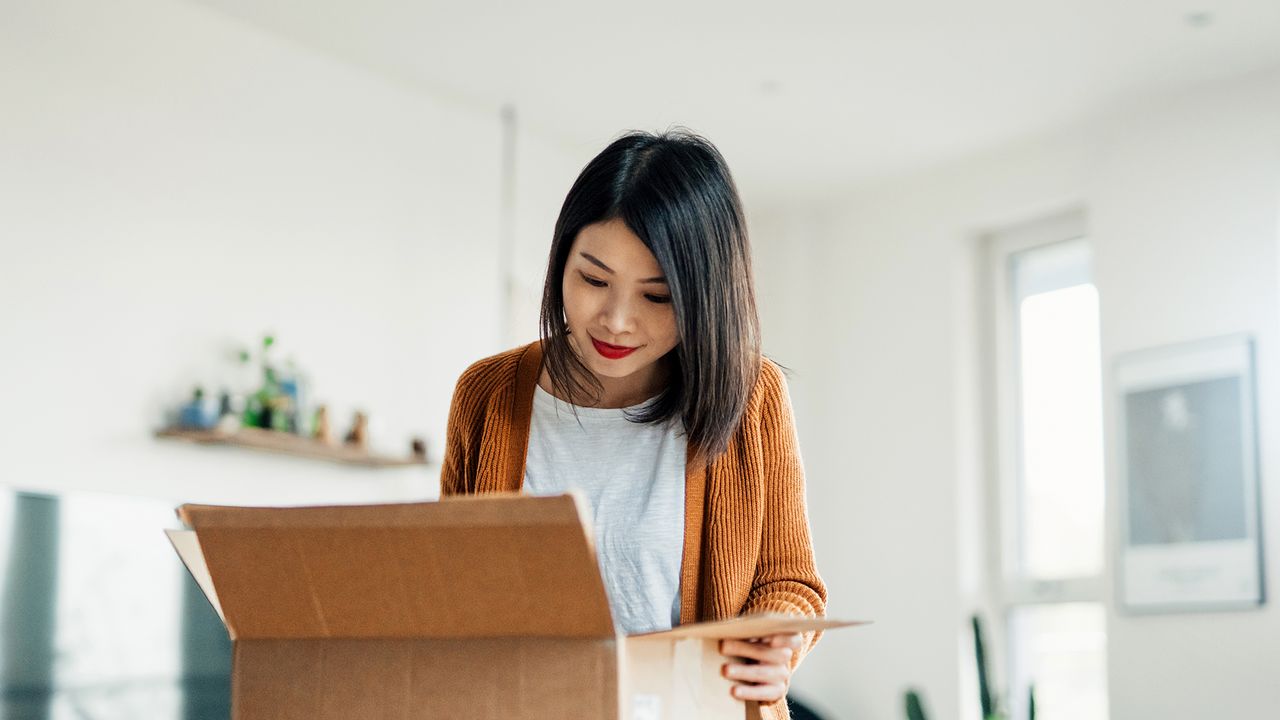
[(616, 392)]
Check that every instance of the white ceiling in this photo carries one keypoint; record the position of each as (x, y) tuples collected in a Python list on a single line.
[(801, 97)]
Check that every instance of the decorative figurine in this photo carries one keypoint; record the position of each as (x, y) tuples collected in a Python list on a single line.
[(228, 418), (320, 426), (358, 436), (418, 448)]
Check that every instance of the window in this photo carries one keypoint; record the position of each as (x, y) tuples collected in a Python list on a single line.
[(1061, 648), (1050, 487)]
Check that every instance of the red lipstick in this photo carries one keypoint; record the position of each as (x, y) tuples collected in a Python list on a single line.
[(612, 352)]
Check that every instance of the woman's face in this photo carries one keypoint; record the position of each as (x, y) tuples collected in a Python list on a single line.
[(617, 303)]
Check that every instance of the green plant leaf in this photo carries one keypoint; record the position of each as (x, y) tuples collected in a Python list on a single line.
[(915, 708)]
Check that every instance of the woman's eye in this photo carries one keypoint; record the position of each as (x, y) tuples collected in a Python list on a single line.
[(594, 282), (659, 298)]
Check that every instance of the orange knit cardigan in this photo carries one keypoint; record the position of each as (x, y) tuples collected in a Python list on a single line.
[(746, 538)]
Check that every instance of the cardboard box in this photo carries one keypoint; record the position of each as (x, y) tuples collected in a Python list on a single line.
[(483, 608)]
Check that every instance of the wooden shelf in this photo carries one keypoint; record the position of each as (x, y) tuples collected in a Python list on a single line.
[(289, 444)]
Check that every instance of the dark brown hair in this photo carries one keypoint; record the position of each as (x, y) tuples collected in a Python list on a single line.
[(674, 191)]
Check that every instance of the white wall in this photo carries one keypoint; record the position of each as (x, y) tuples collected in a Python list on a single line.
[(544, 171), (1183, 196), (782, 251), (172, 184), (1187, 218)]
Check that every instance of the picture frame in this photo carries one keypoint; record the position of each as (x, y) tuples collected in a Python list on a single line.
[(1188, 477)]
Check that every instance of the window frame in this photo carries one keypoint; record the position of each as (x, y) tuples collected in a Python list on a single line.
[(1009, 589)]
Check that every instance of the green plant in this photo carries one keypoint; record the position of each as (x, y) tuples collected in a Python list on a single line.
[(268, 406), (915, 708), (984, 681), (991, 707)]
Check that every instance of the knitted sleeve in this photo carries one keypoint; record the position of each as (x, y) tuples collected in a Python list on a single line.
[(786, 580), (478, 384), (453, 467)]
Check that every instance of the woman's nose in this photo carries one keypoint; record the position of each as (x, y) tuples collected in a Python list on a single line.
[(617, 316)]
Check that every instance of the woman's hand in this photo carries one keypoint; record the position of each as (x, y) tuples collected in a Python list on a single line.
[(762, 670)]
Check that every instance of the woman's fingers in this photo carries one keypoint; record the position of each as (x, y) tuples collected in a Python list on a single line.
[(763, 670), (762, 673), (791, 640), (763, 693), (778, 649)]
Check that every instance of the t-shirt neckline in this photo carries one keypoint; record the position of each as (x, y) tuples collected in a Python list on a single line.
[(547, 400)]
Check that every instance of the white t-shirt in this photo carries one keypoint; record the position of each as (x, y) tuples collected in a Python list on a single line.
[(633, 476)]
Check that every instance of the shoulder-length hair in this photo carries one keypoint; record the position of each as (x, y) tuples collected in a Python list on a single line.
[(674, 191)]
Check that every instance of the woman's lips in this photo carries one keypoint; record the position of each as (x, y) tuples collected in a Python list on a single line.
[(612, 352)]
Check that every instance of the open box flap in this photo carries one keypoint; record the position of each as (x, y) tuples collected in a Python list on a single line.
[(481, 566), (188, 547), (750, 626)]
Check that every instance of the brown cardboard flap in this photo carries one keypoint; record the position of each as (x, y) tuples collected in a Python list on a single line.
[(403, 679), (188, 547), (750, 626), (493, 566)]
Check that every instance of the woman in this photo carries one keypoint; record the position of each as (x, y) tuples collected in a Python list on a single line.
[(648, 393)]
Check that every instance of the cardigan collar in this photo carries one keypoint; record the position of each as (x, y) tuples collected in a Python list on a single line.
[(528, 370)]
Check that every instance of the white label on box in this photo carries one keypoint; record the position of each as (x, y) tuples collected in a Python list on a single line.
[(686, 677), (646, 707)]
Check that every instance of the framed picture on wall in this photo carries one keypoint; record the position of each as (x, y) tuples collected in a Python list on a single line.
[(1188, 459)]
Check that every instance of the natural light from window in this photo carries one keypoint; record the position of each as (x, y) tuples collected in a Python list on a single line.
[(1062, 651), (1062, 491), (1054, 500)]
